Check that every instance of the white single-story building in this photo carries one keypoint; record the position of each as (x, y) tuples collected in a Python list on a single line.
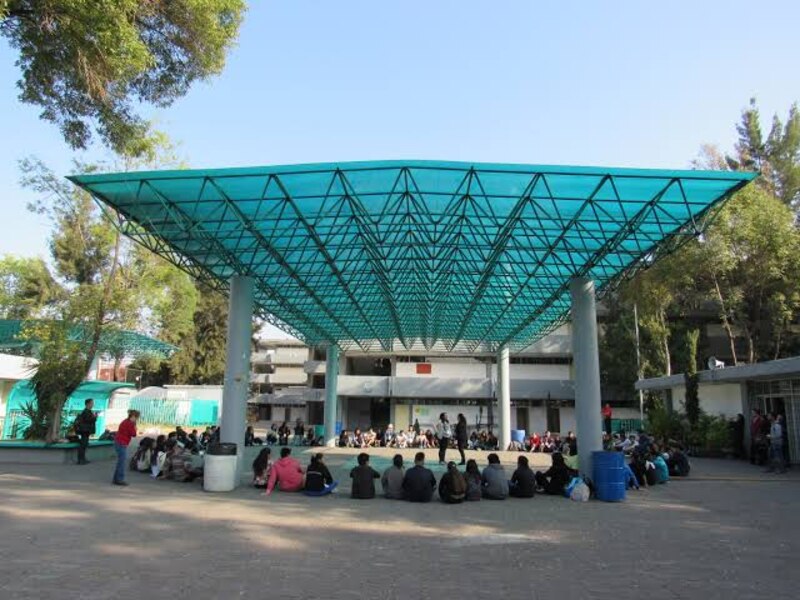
[(773, 387)]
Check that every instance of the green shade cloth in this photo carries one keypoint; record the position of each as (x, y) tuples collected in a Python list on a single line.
[(415, 255)]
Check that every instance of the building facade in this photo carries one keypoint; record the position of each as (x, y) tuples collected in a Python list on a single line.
[(375, 389)]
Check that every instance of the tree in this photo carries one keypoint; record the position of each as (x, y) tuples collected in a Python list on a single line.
[(692, 399), (618, 350), (776, 157), (27, 288), (88, 64)]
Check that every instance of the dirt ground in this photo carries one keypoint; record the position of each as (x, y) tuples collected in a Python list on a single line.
[(729, 532)]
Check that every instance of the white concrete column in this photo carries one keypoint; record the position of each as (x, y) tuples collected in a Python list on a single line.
[(237, 363), (504, 397), (586, 358), (331, 383)]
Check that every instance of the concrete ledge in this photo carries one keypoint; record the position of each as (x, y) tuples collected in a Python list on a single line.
[(39, 453)]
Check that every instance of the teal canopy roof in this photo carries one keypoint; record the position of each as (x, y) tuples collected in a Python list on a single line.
[(113, 342), (413, 254)]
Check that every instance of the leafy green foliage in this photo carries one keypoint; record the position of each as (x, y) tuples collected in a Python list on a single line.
[(88, 64), (27, 288)]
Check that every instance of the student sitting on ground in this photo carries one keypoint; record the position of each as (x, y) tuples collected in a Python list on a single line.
[(363, 477), (262, 466), (419, 482), (140, 461), (389, 436), (286, 473), (178, 465), (392, 478), (474, 441), (494, 479), (678, 463), (319, 481), (523, 481), (400, 440), (474, 481), (556, 478), (452, 486)]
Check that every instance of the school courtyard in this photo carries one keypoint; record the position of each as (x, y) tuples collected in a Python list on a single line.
[(729, 531)]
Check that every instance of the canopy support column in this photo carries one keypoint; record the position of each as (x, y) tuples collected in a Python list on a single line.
[(585, 353), (331, 397), (237, 364), (504, 397)]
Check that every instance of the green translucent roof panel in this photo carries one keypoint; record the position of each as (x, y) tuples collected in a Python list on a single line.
[(113, 342), (413, 254)]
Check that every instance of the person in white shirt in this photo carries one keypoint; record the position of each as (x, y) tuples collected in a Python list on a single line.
[(776, 462), (443, 434)]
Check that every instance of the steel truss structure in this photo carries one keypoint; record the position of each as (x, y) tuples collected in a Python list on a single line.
[(414, 255), (113, 342)]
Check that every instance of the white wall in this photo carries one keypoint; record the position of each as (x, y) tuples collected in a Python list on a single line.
[(715, 398), (449, 368)]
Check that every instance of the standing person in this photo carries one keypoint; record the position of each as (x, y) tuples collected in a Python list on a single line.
[(416, 427), (85, 424), (755, 434), (363, 477), (443, 434), (461, 437), (452, 485), (392, 479), (419, 482), (299, 432), (608, 412), (495, 482), (125, 433), (776, 461)]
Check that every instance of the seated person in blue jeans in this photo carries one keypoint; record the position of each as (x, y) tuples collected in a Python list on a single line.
[(319, 481)]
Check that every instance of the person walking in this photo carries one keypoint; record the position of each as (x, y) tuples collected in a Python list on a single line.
[(125, 433), (85, 424), (443, 434), (461, 437)]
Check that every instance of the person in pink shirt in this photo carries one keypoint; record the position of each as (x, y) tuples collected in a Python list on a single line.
[(286, 473)]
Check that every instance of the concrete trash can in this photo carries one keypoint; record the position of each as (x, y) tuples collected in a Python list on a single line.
[(220, 468)]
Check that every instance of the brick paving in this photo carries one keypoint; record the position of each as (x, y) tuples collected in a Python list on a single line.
[(730, 532)]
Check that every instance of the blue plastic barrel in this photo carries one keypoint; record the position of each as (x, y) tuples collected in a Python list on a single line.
[(608, 473), (338, 428), (518, 435)]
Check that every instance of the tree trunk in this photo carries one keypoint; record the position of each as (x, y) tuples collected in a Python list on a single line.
[(725, 322)]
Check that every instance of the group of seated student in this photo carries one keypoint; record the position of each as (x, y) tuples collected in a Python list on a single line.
[(655, 462), (165, 457), (287, 475), (549, 443), (281, 435), (416, 484)]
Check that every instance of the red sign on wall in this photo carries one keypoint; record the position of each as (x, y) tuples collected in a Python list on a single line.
[(424, 368)]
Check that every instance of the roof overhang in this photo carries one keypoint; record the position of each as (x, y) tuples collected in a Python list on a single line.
[(783, 368), (405, 255)]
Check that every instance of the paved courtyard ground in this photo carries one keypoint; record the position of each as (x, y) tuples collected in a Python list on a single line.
[(728, 532)]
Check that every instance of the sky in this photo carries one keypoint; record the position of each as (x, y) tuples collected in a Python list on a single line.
[(617, 84)]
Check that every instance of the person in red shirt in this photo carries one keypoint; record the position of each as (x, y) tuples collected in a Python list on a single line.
[(125, 433), (607, 413)]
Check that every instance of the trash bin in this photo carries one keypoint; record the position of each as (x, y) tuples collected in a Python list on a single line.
[(608, 472), (220, 469), (518, 435)]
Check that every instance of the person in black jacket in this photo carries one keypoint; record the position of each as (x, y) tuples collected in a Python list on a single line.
[(557, 477), (523, 481), (419, 482), (461, 437), (85, 424), (363, 477), (319, 481)]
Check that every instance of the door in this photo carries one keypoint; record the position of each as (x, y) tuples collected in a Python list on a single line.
[(379, 413), (522, 418), (553, 419)]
